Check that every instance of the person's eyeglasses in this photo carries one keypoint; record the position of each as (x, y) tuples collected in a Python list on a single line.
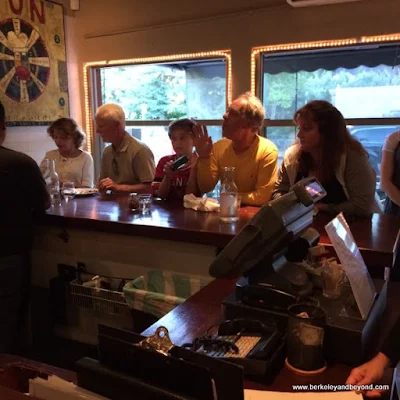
[(115, 166)]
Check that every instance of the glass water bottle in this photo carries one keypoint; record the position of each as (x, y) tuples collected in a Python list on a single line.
[(53, 184), (228, 197), (45, 170)]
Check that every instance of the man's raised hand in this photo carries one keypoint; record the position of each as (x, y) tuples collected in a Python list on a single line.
[(202, 142)]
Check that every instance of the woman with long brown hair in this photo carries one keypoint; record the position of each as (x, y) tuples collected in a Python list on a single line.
[(326, 150)]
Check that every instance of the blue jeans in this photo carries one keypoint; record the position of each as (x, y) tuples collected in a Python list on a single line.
[(11, 275)]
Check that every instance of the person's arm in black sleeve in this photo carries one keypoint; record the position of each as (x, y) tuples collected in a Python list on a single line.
[(391, 345)]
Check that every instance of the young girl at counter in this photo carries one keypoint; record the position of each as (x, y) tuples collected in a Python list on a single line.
[(172, 182)]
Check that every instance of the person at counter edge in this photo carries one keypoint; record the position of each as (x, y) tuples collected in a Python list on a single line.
[(23, 191)]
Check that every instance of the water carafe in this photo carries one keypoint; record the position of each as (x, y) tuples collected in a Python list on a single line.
[(53, 184), (228, 197)]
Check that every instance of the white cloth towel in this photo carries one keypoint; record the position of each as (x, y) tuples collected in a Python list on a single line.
[(200, 203)]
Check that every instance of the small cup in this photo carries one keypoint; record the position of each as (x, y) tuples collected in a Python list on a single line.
[(145, 203), (68, 190), (133, 201)]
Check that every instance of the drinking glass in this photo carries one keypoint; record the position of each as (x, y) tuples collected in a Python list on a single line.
[(145, 203), (133, 202), (68, 191)]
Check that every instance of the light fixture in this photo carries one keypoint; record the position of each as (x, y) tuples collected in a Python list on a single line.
[(380, 38)]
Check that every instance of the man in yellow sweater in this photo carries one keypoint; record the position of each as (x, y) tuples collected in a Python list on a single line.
[(254, 157)]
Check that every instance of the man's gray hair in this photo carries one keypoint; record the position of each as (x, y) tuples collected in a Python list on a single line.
[(112, 112), (252, 110)]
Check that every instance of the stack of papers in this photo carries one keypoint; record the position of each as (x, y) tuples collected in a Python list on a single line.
[(57, 388)]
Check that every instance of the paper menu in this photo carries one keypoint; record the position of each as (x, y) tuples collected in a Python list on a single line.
[(267, 395), (350, 257)]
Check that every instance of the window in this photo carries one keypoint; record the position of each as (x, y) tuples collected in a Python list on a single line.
[(363, 82), (154, 94)]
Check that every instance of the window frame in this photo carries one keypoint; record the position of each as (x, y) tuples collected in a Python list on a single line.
[(93, 91), (256, 59)]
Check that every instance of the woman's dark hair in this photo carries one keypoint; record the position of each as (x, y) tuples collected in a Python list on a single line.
[(69, 129), (335, 137)]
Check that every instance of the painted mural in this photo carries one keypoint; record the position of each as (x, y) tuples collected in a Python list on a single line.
[(33, 69)]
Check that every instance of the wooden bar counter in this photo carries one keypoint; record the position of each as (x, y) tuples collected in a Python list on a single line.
[(204, 310), (102, 233), (190, 320), (376, 236), (114, 241)]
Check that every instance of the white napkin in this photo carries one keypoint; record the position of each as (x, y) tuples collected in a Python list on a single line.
[(200, 203)]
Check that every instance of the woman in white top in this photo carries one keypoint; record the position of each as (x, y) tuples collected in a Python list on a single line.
[(72, 163), (390, 173)]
